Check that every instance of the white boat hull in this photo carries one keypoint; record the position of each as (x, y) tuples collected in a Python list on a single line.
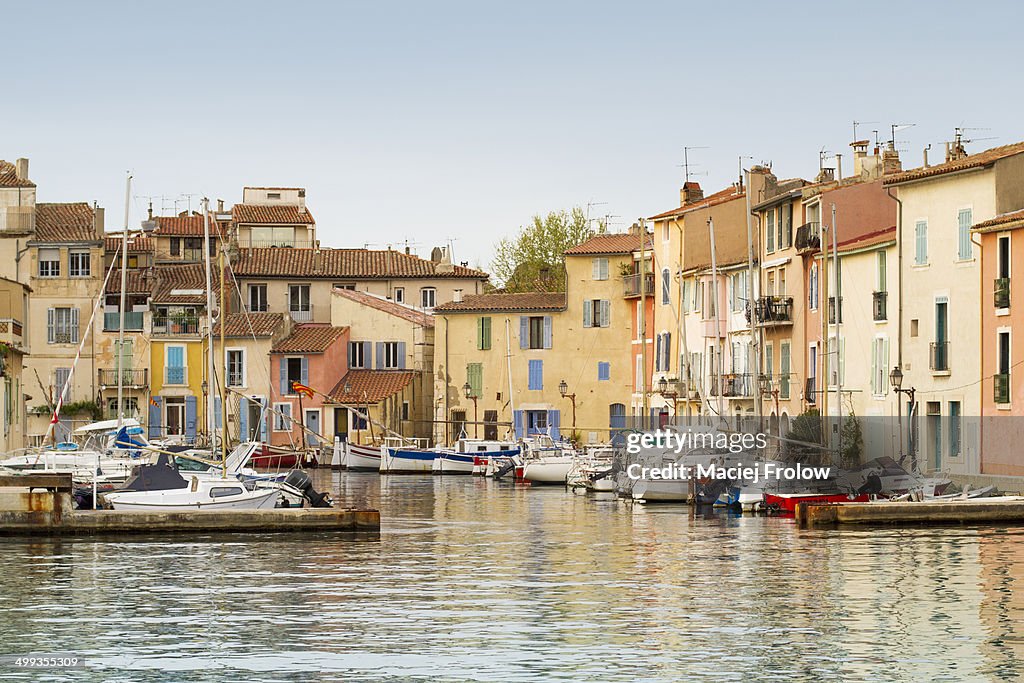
[(359, 457), (407, 461), (662, 491), (453, 463), (553, 470), (186, 499)]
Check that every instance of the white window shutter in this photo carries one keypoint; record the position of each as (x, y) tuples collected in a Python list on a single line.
[(606, 312)]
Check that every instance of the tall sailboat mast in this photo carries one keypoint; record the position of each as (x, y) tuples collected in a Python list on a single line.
[(210, 369), (122, 304)]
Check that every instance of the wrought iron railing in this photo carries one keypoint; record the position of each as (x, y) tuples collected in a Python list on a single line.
[(1001, 292), (878, 303), (631, 284), (176, 325), (938, 356), (1001, 388), (130, 377), (774, 309)]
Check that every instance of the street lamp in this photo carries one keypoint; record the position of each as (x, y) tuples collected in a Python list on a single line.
[(669, 390), (467, 389), (896, 379), (563, 389)]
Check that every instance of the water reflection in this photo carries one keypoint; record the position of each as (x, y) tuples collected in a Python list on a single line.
[(476, 580)]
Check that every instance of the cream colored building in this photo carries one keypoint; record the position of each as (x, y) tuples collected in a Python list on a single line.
[(939, 338), (530, 343), (400, 390), (14, 308)]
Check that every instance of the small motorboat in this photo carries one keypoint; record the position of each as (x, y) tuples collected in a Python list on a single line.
[(787, 502), (160, 487), (547, 461), (473, 456)]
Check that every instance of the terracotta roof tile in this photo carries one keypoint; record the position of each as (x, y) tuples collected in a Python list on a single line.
[(612, 243), (377, 385), (869, 239), (381, 304), (1005, 221), (719, 197), (71, 222), (140, 281), (524, 301), (309, 338), (989, 156), (172, 280), (183, 226), (250, 324), (342, 263), (9, 176), (136, 244), (260, 214)]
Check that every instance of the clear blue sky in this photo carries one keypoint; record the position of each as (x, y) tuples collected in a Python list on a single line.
[(435, 120)]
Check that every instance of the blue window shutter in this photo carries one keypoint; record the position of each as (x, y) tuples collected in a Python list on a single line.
[(657, 353), (380, 355), (243, 419), (367, 355), (218, 423), (554, 424), (401, 355), (606, 313), (547, 332), (536, 377), (517, 424), (264, 420), (604, 371), (190, 417), (524, 332), (304, 377), (154, 418), (282, 368), (587, 317)]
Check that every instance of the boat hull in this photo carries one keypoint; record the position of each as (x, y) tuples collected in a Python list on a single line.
[(184, 499), (787, 502), (361, 458), (407, 460), (548, 470)]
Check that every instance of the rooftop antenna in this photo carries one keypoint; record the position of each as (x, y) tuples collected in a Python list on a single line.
[(686, 161), (898, 126), (959, 133), (589, 205), (608, 220), (863, 123), (822, 155), (740, 164), (188, 197)]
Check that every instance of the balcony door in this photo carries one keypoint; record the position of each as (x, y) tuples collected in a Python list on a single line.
[(175, 418), (124, 361), (941, 334)]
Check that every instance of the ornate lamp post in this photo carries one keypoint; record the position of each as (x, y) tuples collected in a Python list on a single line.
[(467, 390), (896, 379), (563, 389)]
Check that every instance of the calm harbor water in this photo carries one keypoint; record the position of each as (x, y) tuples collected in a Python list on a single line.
[(472, 579)]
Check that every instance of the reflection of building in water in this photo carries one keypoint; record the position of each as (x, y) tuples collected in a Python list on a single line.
[(1001, 558)]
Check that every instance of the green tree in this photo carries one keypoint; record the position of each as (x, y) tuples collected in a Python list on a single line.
[(533, 260)]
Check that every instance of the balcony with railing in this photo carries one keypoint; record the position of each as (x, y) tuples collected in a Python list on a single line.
[(175, 325), (175, 376), (808, 236), (878, 305), (1001, 388), (811, 390), (738, 385), (132, 321), (631, 285), (132, 378), (302, 314), (835, 310), (18, 219), (774, 310), (1001, 292), (938, 356)]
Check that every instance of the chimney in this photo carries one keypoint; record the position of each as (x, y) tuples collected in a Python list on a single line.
[(926, 155), (407, 252), (457, 298), (891, 160), (21, 169), (318, 261), (97, 221), (839, 168), (860, 153), (220, 206), (445, 266), (690, 193), (825, 175)]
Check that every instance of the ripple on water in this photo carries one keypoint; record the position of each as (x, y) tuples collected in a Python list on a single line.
[(477, 580)]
